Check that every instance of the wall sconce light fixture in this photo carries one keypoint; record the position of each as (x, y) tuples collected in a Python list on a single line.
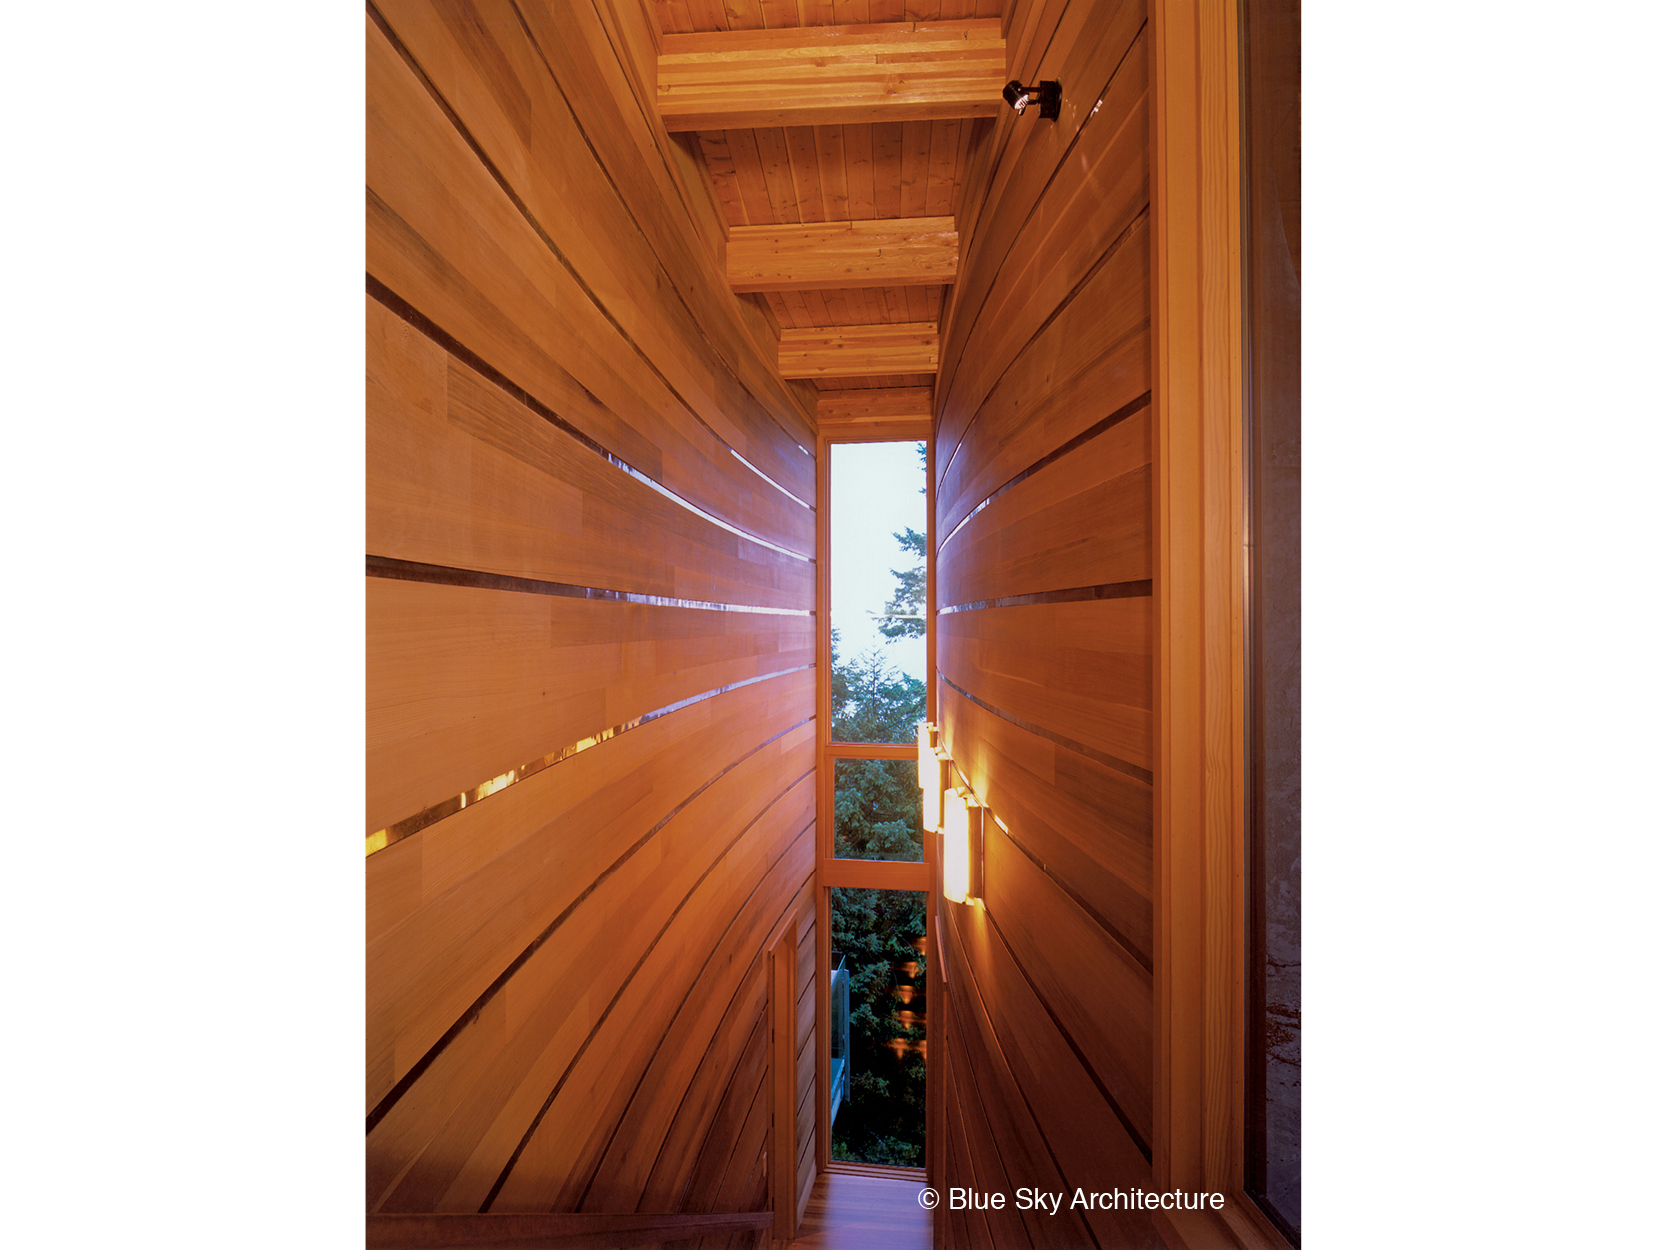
[(1047, 94), (932, 769), (963, 847)]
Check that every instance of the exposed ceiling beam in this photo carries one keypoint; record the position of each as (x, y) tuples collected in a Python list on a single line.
[(856, 409), (858, 351), (830, 255), (892, 403), (827, 75)]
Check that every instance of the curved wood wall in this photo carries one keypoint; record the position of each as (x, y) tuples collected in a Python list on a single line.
[(1044, 638), (589, 602)]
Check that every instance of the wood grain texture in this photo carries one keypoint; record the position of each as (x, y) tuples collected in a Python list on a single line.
[(457, 905), (859, 351), (553, 1232), (859, 408), (1082, 670), (564, 323), (565, 996), (1083, 520), (913, 251), (1199, 687), (460, 473), (1068, 1109), (463, 685), (851, 1212), (833, 75), (1034, 254), (1043, 502)]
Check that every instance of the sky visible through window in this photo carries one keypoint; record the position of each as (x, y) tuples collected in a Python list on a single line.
[(876, 491)]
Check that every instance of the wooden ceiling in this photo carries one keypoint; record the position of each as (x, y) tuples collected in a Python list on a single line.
[(928, 73)]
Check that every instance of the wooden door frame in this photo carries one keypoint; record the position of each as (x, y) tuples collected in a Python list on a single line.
[(1199, 590)]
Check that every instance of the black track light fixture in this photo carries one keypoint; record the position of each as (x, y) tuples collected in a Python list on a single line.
[(1047, 94)]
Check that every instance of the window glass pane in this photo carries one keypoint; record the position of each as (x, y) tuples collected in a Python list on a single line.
[(877, 810), (877, 578), (879, 1070)]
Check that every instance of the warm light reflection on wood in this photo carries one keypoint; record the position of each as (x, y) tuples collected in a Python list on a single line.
[(439, 811)]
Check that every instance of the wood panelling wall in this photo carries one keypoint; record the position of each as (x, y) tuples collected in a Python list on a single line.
[(1044, 521), (590, 542)]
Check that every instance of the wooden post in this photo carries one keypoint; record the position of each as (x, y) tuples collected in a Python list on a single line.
[(1198, 799)]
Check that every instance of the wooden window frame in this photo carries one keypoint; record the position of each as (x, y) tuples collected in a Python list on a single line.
[(861, 873)]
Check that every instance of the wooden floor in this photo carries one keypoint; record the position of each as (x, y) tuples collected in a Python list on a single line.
[(864, 1213)]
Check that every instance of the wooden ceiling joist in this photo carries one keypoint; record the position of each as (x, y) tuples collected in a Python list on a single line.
[(835, 255), (869, 409), (859, 351), (827, 75)]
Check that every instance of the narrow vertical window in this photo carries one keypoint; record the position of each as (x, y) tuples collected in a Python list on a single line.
[(878, 591), (874, 853)]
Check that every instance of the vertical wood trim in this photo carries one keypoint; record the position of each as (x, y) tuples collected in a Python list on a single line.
[(784, 955), (1198, 790), (824, 1024), (935, 999), (824, 802), (932, 574), (801, 922)]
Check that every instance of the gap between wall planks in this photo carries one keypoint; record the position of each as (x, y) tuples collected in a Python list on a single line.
[(671, 391)]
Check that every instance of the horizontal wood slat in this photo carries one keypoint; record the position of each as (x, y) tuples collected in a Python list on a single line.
[(549, 1232), (521, 1113), (464, 685), (857, 351), (888, 71), (495, 72), (994, 1128), (915, 251), (875, 874), (454, 906), (460, 473), (562, 1151), (581, 460), (1081, 1130), (1083, 520), (1081, 670), (710, 1021), (1096, 991), (1048, 224), (441, 233), (1045, 634)]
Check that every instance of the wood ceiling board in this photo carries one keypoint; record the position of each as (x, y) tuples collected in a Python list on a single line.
[(888, 169), (855, 351), (855, 306), (806, 171), (910, 252), (915, 170), (895, 72), (830, 164), (859, 169)]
